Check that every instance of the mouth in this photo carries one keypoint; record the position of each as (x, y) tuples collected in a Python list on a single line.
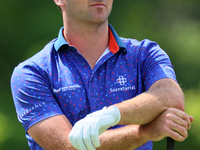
[(99, 5)]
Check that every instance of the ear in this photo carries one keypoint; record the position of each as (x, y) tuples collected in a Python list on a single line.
[(59, 3)]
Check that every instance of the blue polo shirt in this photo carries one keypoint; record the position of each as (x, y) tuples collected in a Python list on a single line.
[(58, 80)]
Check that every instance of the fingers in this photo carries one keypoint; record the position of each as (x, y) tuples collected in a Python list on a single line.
[(178, 122), (75, 137), (177, 137), (95, 135), (179, 133), (87, 137), (191, 119), (185, 117), (71, 137), (84, 135)]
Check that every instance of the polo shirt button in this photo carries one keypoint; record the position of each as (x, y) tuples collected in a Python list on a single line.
[(92, 80), (83, 64)]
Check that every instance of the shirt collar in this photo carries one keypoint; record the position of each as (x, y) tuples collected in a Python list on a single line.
[(115, 42)]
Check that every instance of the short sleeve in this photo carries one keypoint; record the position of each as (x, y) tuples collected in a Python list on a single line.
[(155, 63), (32, 95)]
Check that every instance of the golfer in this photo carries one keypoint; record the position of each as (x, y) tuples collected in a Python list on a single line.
[(91, 89)]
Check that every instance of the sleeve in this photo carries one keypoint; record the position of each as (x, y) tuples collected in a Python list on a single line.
[(155, 63), (32, 95)]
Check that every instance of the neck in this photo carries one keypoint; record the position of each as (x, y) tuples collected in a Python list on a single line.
[(90, 40)]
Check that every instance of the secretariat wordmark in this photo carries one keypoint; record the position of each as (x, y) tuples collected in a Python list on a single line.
[(122, 81)]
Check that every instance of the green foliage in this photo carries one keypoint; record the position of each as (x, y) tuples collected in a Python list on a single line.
[(192, 105), (26, 26), (12, 134)]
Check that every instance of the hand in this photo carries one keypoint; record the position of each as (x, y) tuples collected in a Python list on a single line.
[(85, 133), (172, 123)]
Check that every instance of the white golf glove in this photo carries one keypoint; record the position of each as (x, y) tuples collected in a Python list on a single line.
[(85, 133)]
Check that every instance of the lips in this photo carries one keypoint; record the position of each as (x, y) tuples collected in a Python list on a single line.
[(99, 5)]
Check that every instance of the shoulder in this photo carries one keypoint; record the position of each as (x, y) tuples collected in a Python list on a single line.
[(38, 63), (143, 48), (143, 44)]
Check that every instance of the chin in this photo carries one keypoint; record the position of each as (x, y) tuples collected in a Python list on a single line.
[(99, 19), (98, 22)]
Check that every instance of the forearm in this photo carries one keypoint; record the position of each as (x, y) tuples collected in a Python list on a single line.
[(132, 136), (52, 133), (127, 138), (146, 107)]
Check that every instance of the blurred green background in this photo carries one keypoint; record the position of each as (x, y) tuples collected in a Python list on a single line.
[(26, 26)]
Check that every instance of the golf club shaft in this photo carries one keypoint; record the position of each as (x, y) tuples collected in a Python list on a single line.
[(170, 143)]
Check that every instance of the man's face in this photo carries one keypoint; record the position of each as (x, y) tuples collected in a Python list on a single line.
[(88, 11)]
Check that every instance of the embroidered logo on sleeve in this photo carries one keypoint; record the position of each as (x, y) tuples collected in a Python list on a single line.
[(67, 88), (36, 106)]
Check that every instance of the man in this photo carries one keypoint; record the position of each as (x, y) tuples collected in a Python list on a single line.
[(87, 68)]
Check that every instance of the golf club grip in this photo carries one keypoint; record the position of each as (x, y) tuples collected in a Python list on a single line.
[(170, 143)]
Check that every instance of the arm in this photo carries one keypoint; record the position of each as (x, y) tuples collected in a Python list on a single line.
[(52, 133), (172, 123), (127, 138), (144, 108), (37, 109)]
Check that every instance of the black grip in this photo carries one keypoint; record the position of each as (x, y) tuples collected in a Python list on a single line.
[(170, 143)]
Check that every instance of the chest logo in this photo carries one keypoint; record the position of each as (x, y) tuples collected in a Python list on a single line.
[(121, 80)]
